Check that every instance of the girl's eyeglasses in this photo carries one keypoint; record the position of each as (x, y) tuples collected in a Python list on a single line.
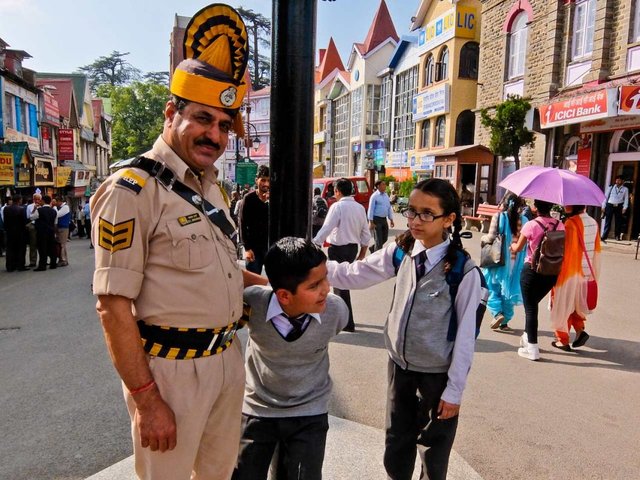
[(410, 213)]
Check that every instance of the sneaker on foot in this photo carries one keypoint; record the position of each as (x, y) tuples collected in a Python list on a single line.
[(561, 346), (524, 340), (505, 328), (499, 318), (531, 352)]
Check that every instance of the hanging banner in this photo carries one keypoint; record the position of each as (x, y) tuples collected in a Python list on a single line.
[(65, 144), (583, 166), (7, 169)]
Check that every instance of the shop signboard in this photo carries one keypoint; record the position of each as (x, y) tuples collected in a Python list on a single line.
[(43, 172), (7, 169), (456, 22), (51, 109), (12, 135), (434, 101), (423, 162), (246, 172), (397, 160), (629, 103), (621, 122), (63, 176), (583, 166), (581, 108), (81, 178), (66, 144)]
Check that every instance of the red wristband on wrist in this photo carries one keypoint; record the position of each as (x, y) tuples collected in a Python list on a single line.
[(143, 388)]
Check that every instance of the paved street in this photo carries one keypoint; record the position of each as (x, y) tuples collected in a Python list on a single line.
[(570, 416)]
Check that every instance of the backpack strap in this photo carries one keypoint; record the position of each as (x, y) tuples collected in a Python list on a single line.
[(398, 256), (454, 278)]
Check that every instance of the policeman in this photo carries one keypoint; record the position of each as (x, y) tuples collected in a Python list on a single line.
[(168, 284)]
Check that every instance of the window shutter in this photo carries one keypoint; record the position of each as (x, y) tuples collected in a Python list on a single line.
[(18, 114)]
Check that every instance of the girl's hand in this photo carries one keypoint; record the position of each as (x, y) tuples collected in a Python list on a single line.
[(447, 410)]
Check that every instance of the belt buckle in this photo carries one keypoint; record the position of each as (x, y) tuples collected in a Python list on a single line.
[(228, 335)]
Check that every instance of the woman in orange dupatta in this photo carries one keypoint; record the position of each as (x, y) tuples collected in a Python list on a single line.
[(569, 296)]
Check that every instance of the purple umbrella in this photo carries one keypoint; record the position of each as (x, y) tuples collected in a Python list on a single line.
[(554, 185)]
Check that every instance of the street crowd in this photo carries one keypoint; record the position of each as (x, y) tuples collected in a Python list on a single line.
[(34, 231)]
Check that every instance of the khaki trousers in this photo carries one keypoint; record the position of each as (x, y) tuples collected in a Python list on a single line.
[(63, 236), (206, 397)]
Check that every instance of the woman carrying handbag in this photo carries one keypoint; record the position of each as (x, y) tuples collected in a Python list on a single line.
[(503, 279), (572, 298)]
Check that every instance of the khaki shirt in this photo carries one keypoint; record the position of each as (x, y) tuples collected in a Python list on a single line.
[(155, 248)]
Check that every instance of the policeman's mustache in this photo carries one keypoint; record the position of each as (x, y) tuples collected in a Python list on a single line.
[(207, 143)]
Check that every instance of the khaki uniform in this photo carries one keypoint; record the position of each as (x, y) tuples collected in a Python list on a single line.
[(180, 271)]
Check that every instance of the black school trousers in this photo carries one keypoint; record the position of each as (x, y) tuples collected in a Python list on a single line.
[(301, 440), (534, 288), (412, 425)]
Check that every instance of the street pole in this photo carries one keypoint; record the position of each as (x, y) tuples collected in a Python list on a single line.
[(292, 87)]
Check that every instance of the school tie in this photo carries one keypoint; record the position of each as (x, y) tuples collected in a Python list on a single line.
[(421, 267), (297, 324)]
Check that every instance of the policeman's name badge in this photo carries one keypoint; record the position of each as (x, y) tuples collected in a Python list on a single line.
[(115, 236), (131, 180), (189, 219)]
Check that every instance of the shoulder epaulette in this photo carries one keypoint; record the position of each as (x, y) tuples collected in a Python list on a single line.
[(132, 179)]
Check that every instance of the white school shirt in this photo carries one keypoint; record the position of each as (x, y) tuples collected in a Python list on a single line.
[(346, 223)]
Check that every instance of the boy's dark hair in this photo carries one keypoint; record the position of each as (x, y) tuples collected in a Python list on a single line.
[(316, 191), (263, 172), (543, 207), (377, 183), (289, 261), (344, 186), (450, 203), (46, 199)]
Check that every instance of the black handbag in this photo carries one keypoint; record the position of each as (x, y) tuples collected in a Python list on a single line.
[(492, 254)]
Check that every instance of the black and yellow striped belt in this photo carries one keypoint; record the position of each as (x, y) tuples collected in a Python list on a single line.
[(185, 343)]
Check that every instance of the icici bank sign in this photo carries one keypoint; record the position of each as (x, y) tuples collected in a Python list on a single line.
[(582, 108)]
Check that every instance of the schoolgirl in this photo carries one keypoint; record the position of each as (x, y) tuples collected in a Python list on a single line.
[(427, 371)]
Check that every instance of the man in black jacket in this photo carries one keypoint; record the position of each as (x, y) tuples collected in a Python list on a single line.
[(45, 223), (15, 223), (255, 222)]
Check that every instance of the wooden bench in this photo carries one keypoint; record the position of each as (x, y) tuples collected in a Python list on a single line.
[(482, 218)]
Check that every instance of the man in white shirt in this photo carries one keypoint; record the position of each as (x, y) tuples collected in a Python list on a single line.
[(31, 230), (346, 229), (616, 203)]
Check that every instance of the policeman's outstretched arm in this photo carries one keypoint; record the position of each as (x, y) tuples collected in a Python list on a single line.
[(155, 419)]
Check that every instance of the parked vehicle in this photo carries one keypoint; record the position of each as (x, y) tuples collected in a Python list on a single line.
[(362, 189)]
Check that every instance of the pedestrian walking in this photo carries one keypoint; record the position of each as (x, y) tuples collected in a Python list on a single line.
[(581, 263), (165, 250), (430, 349), (346, 229), (534, 285), (87, 220), (45, 217), (62, 230), (255, 222), (504, 281), (319, 212), (380, 215), (32, 239)]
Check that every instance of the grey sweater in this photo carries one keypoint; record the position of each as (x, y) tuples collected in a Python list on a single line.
[(289, 379)]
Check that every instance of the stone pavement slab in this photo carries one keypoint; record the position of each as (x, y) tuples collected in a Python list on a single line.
[(354, 452)]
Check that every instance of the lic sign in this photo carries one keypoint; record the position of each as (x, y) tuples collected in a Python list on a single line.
[(457, 22)]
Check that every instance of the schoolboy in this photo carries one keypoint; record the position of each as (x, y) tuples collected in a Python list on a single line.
[(287, 363)]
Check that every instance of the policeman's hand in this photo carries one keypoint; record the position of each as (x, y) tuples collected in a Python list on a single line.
[(447, 410), (156, 423), (249, 256)]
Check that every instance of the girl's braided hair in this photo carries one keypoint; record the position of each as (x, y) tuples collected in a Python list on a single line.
[(450, 203)]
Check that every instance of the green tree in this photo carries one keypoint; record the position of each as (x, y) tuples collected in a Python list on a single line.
[(137, 116), (508, 132), (111, 70), (259, 32)]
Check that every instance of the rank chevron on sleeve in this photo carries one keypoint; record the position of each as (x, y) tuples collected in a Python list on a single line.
[(116, 236)]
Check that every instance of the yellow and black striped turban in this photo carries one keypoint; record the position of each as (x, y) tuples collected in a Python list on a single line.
[(216, 54)]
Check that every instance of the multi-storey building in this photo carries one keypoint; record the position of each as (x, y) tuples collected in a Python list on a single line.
[(579, 63), (443, 109), (348, 103)]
